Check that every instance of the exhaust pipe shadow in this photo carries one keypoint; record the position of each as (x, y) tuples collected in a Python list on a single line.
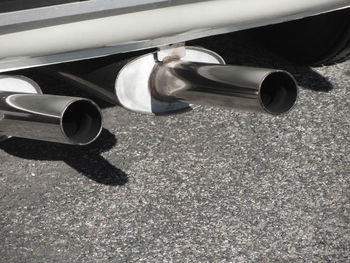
[(86, 160), (240, 48)]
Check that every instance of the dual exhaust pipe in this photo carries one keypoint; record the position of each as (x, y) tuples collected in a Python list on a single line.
[(51, 118), (243, 88), (25, 112)]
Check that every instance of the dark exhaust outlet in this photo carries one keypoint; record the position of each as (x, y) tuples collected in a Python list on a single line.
[(278, 92), (82, 122), (244, 88)]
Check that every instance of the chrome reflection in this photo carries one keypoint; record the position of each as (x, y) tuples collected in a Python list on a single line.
[(50, 118), (244, 88)]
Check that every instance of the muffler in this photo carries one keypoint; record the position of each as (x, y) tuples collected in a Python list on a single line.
[(26, 113), (158, 83)]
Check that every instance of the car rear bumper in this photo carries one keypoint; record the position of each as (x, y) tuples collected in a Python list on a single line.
[(43, 36)]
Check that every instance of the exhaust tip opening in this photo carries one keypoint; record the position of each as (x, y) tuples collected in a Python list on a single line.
[(82, 122), (278, 93)]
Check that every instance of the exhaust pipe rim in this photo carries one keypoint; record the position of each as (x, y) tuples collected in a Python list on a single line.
[(74, 137), (280, 105)]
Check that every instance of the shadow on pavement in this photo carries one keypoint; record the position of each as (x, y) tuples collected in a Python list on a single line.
[(240, 49), (84, 159)]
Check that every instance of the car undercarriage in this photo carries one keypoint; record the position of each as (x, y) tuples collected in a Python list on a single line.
[(169, 76)]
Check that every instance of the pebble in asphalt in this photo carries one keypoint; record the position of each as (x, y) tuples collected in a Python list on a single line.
[(209, 185)]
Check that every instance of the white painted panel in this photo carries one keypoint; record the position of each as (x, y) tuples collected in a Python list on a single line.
[(184, 22)]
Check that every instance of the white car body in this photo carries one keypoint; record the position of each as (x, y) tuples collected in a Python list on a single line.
[(95, 28)]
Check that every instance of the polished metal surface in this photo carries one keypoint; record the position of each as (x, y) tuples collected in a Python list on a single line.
[(244, 88), (50, 118), (17, 84), (132, 82)]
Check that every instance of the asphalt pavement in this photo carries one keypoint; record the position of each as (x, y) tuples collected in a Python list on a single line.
[(207, 185)]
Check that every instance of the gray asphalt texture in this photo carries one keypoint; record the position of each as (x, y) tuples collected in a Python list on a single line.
[(208, 185)]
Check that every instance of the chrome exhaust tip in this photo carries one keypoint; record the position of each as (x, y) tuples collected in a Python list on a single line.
[(81, 122), (278, 92), (52, 118), (242, 88)]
